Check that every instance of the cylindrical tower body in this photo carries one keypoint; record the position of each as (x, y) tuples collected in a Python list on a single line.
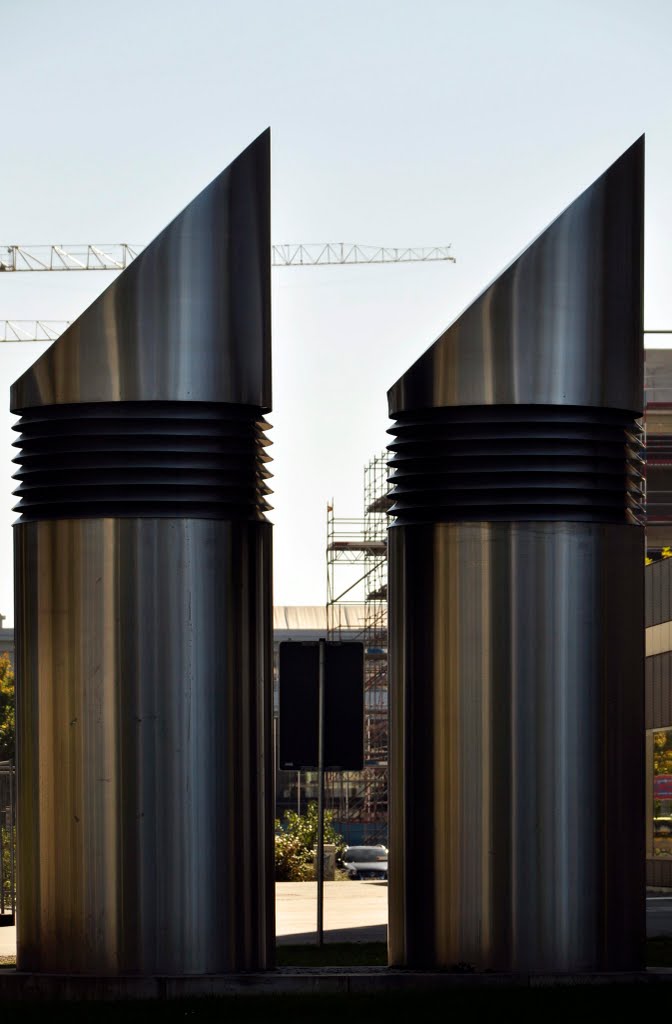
[(516, 612), (144, 610)]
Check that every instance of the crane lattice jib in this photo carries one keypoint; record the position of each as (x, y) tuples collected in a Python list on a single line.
[(118, 255)]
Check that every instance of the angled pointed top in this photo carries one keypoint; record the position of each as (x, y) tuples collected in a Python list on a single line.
[(562, 324), (188, 320)]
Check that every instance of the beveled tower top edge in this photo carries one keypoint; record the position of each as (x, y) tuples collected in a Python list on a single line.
[(188, 320), (562, 323)]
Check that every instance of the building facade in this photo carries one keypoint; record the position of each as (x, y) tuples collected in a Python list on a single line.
[(658, 439), (658, 698)]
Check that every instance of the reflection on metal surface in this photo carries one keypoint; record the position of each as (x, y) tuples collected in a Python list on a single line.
[(516, 612), (515, 780), (188, 320), (145, 791), (562, 325), (143, 610)]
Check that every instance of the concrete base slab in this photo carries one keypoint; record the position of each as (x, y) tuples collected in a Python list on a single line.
[(19, 986)]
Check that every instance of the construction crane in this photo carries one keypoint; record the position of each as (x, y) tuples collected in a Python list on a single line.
[(117, 256), (32, 330), (49, 330)]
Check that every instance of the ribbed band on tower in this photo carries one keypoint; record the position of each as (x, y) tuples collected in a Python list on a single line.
[(202, 459), (516, 462)]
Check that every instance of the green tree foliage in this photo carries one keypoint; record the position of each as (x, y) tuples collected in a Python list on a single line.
[(662, 753), (7, 840), (7, 750), (296, 840), (7, 713)]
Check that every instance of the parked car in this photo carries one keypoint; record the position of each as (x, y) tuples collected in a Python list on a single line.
[(365, 861)]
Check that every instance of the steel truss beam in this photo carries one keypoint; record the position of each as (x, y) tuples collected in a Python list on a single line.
[(118, 255)]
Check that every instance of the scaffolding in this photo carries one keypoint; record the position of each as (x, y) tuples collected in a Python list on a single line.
[(356, 574)]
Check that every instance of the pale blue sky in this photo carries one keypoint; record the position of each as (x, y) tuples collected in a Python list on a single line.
[(393, 123)]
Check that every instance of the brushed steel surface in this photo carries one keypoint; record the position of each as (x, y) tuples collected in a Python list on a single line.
[(144, 715), (517, 758), (562, 324), (188, 320)]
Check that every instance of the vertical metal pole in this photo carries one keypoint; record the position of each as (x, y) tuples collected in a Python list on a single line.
[(12, 840), (320, 795), (298, 792), (341, 797)]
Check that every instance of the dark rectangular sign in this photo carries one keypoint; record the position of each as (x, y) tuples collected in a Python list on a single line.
[(343, 706)]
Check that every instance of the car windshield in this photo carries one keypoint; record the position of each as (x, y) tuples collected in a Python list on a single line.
[(365, 853)]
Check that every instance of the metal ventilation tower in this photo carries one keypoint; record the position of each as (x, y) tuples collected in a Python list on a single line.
[(516, 611), (143, 609)]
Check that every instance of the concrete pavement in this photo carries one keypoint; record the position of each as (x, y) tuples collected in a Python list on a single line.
[(658, 915), (7, 940), (353, 912)]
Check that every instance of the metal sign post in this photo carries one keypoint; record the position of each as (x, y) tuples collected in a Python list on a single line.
[(320, 795), (321, 726)]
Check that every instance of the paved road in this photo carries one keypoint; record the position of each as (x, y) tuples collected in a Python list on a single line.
[(355, 912), (658, 915)]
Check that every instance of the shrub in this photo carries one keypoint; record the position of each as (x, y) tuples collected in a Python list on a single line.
[(296, 840)]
